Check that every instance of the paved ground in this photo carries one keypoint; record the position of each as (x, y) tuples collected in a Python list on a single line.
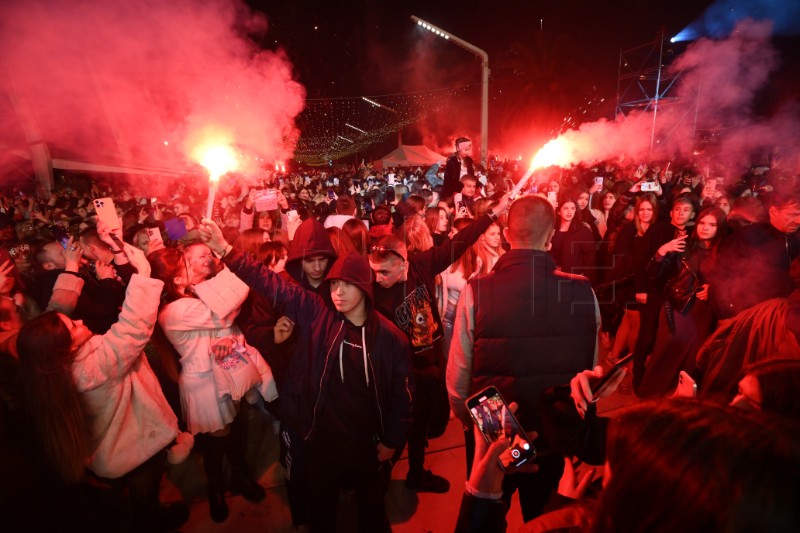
[(409, 512)]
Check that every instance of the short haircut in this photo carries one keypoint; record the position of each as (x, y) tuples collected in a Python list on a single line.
[(345, 205), (462, 140), (388, 246), (779, 201), (381, 216), (530, 219), (469, 177)]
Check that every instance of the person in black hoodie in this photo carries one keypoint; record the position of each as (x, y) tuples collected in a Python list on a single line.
[(404, 293), (276, 336), (350, 394)]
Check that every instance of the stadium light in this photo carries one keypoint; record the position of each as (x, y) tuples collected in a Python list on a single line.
[(485, 81)]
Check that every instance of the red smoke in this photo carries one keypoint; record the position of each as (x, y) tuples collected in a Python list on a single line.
[(718, 83), (142, 82)]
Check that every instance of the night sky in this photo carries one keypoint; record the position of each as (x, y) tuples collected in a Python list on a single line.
[(332, 43), (546, 58), (541, 71)]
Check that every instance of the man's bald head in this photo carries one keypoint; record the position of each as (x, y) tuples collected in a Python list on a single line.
[(531, 222)]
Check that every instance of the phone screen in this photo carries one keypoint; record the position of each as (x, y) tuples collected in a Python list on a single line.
[(494, 419)]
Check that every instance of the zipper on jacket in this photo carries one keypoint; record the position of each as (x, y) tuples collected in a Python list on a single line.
[(319, 394), (377, 398)]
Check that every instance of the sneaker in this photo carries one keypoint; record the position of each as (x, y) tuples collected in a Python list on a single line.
[(427, 481)]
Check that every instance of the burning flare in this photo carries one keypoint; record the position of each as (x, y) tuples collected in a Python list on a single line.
[(216, 159), (555, 153)]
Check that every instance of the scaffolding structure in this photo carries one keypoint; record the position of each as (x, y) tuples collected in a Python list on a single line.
[(644, 82)]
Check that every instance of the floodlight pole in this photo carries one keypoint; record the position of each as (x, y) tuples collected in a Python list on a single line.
[(484, 82)]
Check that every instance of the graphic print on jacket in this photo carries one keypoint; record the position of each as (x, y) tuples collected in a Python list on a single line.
[(415, 316)]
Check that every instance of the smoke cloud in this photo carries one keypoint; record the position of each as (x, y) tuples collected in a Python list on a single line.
[(719, 82), (143, 82)]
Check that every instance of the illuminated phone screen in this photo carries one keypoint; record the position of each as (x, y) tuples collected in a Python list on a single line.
[(495, 420)]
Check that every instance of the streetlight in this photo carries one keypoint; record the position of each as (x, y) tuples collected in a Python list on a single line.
[(485, 82)]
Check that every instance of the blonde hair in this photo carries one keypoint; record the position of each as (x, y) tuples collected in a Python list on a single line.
[(415, 233)]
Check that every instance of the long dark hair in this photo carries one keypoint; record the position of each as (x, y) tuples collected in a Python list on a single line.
[(722, 228), (166, 264), (694, 466), (52, 402)]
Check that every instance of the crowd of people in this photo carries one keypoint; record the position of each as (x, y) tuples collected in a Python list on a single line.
[(362, 308)]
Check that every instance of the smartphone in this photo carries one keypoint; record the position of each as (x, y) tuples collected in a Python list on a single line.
[(267, 200), (494, 419), (649, 186), (155, 236), (602, 384), (552, 197), (153, 201), (711, 186), (60, 234), (331, 194), (598, 180), (107, 213), (687, 387)]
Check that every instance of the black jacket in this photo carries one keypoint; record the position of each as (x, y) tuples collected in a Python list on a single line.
[(98, 305), (452, 175), (411, 304), (321, 333), (535, 327), (752, 266), (575, 250)]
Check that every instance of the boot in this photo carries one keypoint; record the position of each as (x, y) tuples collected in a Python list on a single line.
[(241, 481), (213, 453)]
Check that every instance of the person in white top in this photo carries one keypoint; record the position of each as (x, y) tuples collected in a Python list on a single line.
[(218, 367), (93, 400)]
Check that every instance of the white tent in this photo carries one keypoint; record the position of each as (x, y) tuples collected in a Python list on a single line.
[(407, 155)]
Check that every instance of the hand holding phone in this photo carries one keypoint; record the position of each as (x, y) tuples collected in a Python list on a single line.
[(107, 213), (590, 385), (496, 421)]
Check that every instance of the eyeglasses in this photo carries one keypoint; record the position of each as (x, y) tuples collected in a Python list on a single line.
[(382, 252)]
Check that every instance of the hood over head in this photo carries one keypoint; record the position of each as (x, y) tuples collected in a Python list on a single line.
[(310, 239), (352, 268)]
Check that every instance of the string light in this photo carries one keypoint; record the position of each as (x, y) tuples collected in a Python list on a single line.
[(327, 125)]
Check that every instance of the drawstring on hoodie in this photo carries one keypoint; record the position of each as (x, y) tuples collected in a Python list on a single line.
[(363, 351)]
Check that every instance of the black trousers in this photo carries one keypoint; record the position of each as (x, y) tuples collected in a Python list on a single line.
[(294, 460), (143, 484), (332, 465), (430, 414), (648, 328), (535, 489)]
